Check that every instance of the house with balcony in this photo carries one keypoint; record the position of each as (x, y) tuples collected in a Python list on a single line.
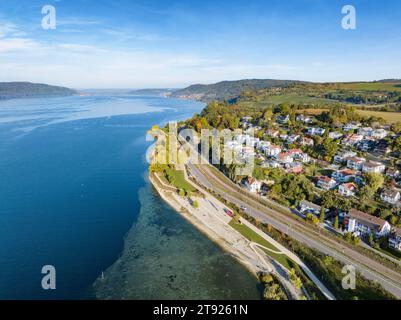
[(326, 183), (373, 167), (390, 196), (363, 224), (351, 139), (342, 156), (347, 189), (394, 240), (355, 163), (345, 175)]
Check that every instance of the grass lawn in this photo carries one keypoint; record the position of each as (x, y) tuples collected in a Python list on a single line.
[(254, 237), (177, 179)]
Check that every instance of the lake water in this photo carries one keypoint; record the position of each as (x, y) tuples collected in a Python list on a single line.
[(74, 194)]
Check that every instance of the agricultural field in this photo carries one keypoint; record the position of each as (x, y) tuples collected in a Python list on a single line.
[(371, 86)]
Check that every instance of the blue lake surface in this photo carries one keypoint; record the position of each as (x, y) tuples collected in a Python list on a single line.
[(74, 194)]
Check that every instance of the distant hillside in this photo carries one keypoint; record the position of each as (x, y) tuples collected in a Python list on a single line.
[(152, 92), (10, 90), (227, 90)]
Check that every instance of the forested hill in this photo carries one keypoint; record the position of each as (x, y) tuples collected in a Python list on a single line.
[(10, 90), (227, 90)]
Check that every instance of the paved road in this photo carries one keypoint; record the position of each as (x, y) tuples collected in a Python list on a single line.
[(371, 269)]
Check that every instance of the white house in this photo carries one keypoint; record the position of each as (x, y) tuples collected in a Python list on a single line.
[(344, 175), (391, 196), (347, 189), (351, 126), (373, 167), (306, 207), (352, 139), (366, 131), (361, 223), (342, 156), (394, 240), (315, 131), (326, 183), (252, 185), (355, 163), (335, 135), (379, 134), (273, 150), (285, 157)]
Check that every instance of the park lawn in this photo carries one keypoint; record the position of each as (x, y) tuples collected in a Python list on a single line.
[(254, 237), (179, 180)]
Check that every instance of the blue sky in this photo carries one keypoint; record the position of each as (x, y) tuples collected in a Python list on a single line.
[(152, 43)]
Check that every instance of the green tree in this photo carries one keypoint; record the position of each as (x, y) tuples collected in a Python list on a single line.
[(322, 216), (182, 193), (375, 181), (196, 204), (336, 226)]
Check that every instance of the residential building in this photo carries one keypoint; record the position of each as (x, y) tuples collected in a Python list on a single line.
[(392, 173), (273, 150), (347, 189), (352, 139), (355, 163), (335, 135), (252, 185), (343, 155), (292, 138), (295, 168), (351, 126), (366, 132), (316, 131), (273, 133), (379, 134), (364, 224), (373, 167), (306, 207), (283, 119), (394, 240), (285, 157), (326, 183), (344, 175), (305, 141), (391, 196)]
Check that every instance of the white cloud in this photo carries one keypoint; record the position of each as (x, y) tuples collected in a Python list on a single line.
[(17, 44)]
